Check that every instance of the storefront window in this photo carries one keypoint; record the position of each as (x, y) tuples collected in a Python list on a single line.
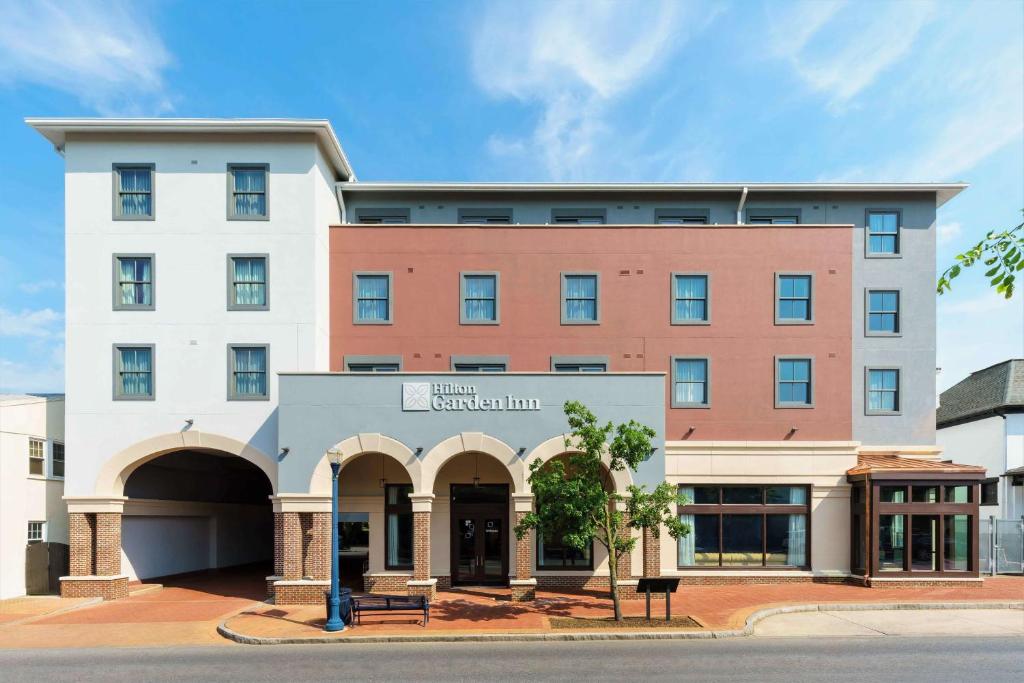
[(354, 532), (752, 526), (892, 494), (553, 554), (891, 542), (957, 543), (924, 543), (958, 494), (398, 527), (925, 494)]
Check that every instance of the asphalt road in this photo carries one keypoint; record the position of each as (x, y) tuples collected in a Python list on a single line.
[(791, 659)]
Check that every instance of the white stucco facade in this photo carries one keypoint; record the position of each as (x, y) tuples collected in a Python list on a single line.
[(27, 497), (190, 325), (997, 443)]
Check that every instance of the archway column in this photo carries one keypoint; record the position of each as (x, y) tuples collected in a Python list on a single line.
[(94, 535), (421, 583), (524, 585), (302, 548)]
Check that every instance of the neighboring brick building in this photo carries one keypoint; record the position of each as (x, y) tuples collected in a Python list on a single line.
[(779, 339)]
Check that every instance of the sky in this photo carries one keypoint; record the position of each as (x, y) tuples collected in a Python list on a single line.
[(534, 91)]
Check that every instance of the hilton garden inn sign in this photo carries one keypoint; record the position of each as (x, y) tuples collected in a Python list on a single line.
[(450, 396)]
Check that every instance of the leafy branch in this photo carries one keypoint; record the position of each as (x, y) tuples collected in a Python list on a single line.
[(1001, 252)]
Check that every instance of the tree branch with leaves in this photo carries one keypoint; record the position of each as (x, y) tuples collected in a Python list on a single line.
[(1001, 252), (576, 501)]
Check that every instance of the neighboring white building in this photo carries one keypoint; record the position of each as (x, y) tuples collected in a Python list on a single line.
[(981, 422), (31, 481)]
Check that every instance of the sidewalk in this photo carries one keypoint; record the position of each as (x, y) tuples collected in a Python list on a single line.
[(879, 623), (716, 609)]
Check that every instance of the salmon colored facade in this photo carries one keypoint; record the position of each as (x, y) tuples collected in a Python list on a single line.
[(635, 331)]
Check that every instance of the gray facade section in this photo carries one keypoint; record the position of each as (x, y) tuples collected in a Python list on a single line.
[(913, 350), (317, 411)]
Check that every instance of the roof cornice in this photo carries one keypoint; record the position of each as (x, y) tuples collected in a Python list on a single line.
[(943, 191), (56, 130)]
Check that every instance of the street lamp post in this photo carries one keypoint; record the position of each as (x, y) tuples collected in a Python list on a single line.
[(334, 620)]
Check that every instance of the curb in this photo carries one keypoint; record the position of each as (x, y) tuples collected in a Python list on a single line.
[(508, 637)]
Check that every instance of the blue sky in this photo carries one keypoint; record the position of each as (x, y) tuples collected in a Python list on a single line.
[(676, 91)]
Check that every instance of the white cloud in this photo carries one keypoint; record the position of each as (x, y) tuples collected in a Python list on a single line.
[(840, 49), (43, 323), (576, 60), (947, 232), (39, 286), (46, 375), (107, 54)]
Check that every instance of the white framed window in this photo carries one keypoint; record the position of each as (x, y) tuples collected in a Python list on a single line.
[(794, 382), (479, 304), (36, 532), (247, 192), (57, 460), (248, 282), (371, 298), (247, 372), (883, 233), (133, 192), (37, 457), (133, 372), (882, 391), (133, 282), (580, 298), (690, 299), (690, 382)]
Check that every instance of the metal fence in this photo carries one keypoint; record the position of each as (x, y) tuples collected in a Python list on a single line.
[(1001, 546)]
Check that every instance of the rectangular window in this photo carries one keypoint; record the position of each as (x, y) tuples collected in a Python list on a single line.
[(247, 191), (883, 233), (57, 460), (398, 526), (552, 553), (354, 532), (382, 216), (892, 543), (883, 312), (133, 372), (578, 216), (479, 367), (479, 294), (580, 299), (690, 383), (745, 526), (794, 299), (883, 391), (773, 216), (133, 282), (794, 383), (35, 532), (580, 367), (371, 294), (248, 372), (133, 192), (485, 216), (248, 278), (37, 457), (373, 363), (990, 492), (681, 216), (956, 539), (690, 299)]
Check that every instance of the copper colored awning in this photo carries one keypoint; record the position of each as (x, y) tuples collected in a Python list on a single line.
[(881, 466)]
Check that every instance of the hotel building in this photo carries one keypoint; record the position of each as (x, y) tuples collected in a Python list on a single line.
[(240, 309)]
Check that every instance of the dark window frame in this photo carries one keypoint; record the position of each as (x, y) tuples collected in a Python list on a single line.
[(764, 509), (398, 509)]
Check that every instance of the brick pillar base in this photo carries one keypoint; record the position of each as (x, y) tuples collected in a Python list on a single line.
[(624, 565), (95, 557), (652, 554)]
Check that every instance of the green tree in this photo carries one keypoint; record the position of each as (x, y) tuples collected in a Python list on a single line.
[(1001, 252), (575, 499)]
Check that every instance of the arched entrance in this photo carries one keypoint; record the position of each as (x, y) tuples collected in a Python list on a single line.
[(471, 530), (191, 510)]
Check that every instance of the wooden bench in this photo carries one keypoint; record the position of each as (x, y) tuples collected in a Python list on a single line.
[(391, 603)]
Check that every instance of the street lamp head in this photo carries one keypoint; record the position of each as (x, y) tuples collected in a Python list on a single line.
[(334, 457)]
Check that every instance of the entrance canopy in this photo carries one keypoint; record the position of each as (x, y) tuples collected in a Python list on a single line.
[(506, 415)]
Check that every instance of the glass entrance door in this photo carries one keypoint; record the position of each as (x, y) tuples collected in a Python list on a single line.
[(479, 535)]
